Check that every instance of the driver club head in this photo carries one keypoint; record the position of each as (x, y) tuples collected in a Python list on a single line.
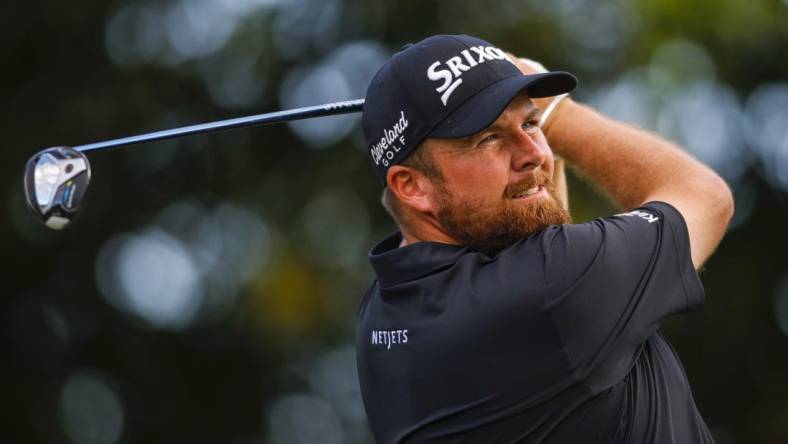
[(55, 182)]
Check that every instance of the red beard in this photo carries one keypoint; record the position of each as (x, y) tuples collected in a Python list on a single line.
[(491, 227)]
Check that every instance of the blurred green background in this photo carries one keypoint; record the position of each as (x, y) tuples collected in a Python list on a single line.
[(208, 290)]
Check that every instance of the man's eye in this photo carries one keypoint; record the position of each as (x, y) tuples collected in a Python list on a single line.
[(489, 139), (531, 126)]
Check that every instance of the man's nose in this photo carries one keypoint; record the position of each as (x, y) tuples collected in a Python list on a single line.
[(527, 155)]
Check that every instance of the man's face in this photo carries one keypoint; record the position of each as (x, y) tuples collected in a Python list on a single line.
[(496, 185)]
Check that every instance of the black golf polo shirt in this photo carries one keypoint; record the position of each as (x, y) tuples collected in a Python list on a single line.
[(553, 340)]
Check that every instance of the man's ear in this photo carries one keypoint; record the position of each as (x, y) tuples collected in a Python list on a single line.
[(411, 187)]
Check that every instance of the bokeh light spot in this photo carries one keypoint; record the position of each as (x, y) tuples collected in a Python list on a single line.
[(705, 117), (137, 34), (304, 419), (767, 130), (90, 410), (678, 62), (630, 99), (311, 86), (198, 28), (302, 25), (151, 276)]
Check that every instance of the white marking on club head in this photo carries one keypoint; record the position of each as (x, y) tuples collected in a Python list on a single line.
[(57, 222)]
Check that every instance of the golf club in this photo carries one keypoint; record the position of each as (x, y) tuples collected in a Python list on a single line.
[(56, 178)]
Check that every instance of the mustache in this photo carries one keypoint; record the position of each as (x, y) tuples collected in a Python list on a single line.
[(539, 178)]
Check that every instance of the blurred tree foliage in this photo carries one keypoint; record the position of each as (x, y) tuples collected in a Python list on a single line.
[(222, 377)]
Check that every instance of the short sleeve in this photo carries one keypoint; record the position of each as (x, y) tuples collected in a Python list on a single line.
[(610, 281)]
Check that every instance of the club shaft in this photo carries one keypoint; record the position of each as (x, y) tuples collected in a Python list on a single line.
[(327, 109)]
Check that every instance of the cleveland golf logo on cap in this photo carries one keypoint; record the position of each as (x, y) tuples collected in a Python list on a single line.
[(392, 142), (456, 67)]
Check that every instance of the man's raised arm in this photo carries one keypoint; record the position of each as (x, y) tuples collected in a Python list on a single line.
[(634, 167)]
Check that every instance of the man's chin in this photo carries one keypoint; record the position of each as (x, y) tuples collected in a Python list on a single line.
[(491, 231)]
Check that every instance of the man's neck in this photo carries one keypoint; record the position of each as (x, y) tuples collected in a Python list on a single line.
[(426, 232)]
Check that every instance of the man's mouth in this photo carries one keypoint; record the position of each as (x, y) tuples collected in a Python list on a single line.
[(528, 192)]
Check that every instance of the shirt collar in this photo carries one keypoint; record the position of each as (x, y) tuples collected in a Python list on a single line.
[(394, 264)]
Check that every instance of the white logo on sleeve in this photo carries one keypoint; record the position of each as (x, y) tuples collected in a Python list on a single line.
[(648, 217), (388, 337), (454, 67)]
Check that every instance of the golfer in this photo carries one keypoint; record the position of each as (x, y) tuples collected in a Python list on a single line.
[(493, 318)]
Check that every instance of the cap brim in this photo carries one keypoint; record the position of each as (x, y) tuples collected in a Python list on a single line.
[(481, 110)]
